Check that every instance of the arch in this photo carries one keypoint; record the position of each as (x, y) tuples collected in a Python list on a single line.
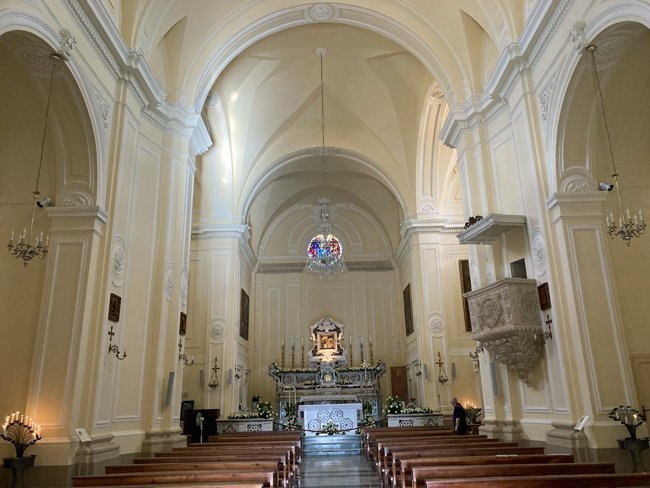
[(270, 173), (352, 15), (621, 12), (22, 21)]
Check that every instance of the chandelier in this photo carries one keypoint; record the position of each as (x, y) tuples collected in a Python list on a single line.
[(324, 252), (24, 249), (628, 226)]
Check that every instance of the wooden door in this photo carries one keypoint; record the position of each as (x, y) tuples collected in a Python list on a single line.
[(398, 383)]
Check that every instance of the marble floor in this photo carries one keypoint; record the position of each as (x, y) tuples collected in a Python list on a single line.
[(337, 472)]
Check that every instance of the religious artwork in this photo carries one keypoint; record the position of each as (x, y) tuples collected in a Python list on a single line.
[(182, 326), (544, 296), (408, 311), (465, 286), (327, 341), (114, 305), (243, 319)]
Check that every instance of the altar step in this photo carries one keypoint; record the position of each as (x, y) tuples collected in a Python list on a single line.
[(332, 445)]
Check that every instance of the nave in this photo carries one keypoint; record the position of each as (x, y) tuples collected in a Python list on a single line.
[(337, 472)]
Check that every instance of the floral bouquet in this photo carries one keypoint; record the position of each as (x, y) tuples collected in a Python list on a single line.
[(472, 412), (291, 418), (265, 410), (629, 417), (394, 405), (417, 410), (330, 428), (368, 418)]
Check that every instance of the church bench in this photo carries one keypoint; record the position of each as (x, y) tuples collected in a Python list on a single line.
[(256, 440), (282, 460), (392, 473), (407, 464), (387, 454), (190, 485), (264, 478), (289, 446), (556, 481), (422, 473), (371, 439)]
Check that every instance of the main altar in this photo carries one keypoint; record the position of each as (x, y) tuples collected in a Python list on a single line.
[(329, 390)]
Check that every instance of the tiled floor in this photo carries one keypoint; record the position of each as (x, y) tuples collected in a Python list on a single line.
[(337, 472)]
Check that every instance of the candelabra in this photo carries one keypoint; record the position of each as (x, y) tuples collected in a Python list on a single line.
[(282, 350), (442, 378), (372, 356), (293, 355), (112, 348), (182, 356), (361, 350), (628, 226), (21, 431), (351, 355), (214, 375)]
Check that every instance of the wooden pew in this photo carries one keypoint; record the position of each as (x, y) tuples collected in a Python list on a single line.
[(264, 478), (388, 450), (370, 436), (504, 448), (407, 464), (423, 473), (557, 481), (247, 438)]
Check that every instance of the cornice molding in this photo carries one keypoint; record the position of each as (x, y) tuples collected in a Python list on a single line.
[(409, 227), (130, 66), (518, 57), (231, 231)]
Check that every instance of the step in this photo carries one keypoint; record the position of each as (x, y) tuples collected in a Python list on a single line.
[(332, 445)]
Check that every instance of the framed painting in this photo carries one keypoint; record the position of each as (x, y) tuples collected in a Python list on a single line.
[(182, 326), (326, 341), (114, 306), (243, 318), (465, 286), (544, 296), (408, 311)]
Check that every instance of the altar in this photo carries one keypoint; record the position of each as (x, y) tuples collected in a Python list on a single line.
[(331, 388)]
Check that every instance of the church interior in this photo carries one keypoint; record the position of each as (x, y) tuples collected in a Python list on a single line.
[(204, 202)]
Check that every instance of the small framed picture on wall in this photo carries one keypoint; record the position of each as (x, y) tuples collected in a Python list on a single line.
[(408, 311), (243, 318), (114, 306)]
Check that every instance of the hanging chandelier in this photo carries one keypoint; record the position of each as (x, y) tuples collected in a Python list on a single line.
[(629, 225), (24, 249), (325, 251)]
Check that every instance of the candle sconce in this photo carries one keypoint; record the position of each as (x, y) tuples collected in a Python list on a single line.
[(214, 375), (112, 348), (182, 356), (442, 375)]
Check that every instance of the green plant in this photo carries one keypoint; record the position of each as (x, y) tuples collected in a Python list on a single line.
[(394, 405), (265, 410), (291, 416)]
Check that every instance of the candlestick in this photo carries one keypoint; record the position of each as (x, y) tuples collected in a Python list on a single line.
[(293, 354), (361, 349), (372, 357), (302, 354), (351, 355), (282, 348)]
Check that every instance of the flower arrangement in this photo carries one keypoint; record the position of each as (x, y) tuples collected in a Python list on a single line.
[(330, 428), (417, 410), (291, 418), (629, 417), (368, 418), (21, 431), (394, 406), (472, 412), (264, 411)]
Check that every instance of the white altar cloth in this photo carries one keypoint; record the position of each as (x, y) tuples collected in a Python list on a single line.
[(344, 416)]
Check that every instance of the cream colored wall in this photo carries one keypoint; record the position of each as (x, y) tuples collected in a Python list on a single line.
[(368, 303)]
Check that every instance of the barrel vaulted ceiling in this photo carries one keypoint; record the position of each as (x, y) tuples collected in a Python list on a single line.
[(391, 72)]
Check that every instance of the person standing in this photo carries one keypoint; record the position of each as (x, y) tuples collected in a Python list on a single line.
[(458, 418)]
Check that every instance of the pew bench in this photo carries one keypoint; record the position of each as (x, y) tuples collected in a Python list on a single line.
[(420, 474), (557, 481), (407, 464), (263, 478), (393, 473)]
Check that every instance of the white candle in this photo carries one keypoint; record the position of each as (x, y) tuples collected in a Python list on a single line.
[(40, 237), (641, 214), (12, 234), (627, 211), (47, 240)]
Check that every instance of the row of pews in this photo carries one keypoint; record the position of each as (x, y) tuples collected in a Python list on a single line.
[(428, 457), (238, 460)]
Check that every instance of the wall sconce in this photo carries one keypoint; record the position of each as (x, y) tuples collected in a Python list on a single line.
[(214, 375), (112, 348), (442, 375), (182, 356)]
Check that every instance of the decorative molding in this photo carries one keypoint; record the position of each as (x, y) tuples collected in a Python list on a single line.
[(506, 321), (234, 231), (489, 273), (321, 12), (77, 198), (67, 43), (216, 330), (577, 184), (104, 108), (436, 324), (118, 260), (184, 286), (474, 276), (577, 35), (435, 95), (538, 251), (545, 99), (169, 281)]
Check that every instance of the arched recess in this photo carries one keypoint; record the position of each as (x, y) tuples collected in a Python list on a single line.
[(69, 176), (583, 160)]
